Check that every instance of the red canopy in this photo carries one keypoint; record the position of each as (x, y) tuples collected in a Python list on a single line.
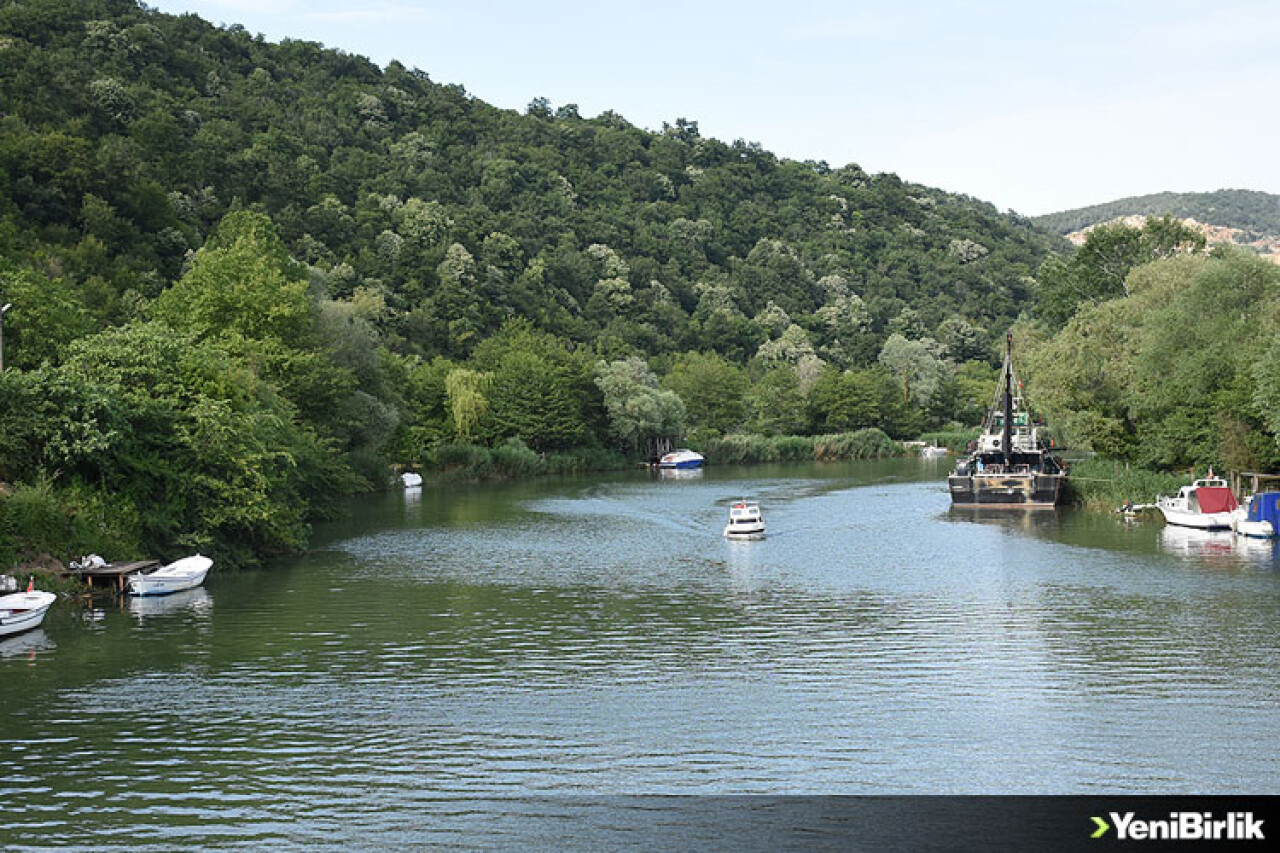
[(1215, 499)]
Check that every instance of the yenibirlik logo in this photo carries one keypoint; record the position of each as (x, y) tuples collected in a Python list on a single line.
[(1182, 826)]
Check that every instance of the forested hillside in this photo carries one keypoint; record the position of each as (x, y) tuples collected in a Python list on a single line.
[(1256, 213), (245, 277)]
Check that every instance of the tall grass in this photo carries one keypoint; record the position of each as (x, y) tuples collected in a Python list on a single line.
[(739, 449), (1104, 484), (954, 440), (513, 458)]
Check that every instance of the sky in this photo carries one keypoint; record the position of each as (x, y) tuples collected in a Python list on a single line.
[(1034, 106)]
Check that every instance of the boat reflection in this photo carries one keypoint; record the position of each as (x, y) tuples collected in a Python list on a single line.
[(678, 473), (27, 643), (196, 600), (1214, 544), (1038, 521)]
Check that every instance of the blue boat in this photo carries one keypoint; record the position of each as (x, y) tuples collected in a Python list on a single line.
[(1260, 517)]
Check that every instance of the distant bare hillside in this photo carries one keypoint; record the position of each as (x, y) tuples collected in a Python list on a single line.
[(1243, 217)]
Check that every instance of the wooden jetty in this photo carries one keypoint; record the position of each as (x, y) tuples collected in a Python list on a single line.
[(119, 572)]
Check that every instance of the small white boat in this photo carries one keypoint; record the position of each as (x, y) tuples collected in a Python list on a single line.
[(22, 611), (1258, 517), (683, 458), (179, 575), (933, 451), (411, 479), (1206, 504), (745, 521)]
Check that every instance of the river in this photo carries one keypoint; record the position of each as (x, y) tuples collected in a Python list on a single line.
[(597, 635)]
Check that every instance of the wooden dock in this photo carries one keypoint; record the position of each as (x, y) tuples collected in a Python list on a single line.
[(119, 572)]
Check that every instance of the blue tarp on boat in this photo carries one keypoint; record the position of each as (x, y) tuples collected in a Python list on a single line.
[(1265, 506)]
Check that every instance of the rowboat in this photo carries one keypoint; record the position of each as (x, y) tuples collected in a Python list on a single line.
[(22, 611), (179, 575)]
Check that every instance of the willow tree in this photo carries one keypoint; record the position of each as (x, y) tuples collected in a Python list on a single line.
[(468, 405)]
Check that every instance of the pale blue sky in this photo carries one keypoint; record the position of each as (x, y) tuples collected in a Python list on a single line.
[(1035, 107)]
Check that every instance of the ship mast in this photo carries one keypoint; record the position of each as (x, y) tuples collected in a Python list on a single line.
[(1006, 440)]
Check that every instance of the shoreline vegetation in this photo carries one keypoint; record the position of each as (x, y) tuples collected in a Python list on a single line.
[(455, 461), (1102, 485)]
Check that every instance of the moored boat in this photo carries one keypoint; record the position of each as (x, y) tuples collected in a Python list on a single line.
[(22, 611), (1258, 517), (1011, 464), (179, 575), (1206, 504), (745, 521), (683, 458)]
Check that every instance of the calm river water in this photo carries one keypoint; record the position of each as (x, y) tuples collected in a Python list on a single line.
[(599, 636)]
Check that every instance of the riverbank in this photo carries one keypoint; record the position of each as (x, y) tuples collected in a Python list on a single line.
[(455, 462), (1103, 485)]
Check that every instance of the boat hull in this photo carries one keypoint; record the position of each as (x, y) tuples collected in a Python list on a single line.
[(23, 611), (184, 574), (1197, 520), (1006, 491), (683, 465), (744, 531), (1254, 529)]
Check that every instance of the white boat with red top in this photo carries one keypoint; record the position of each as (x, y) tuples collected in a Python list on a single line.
[(1206, 504)]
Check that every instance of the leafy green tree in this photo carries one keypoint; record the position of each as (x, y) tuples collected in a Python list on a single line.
[(242, 282), (713, 390), (919, 366), (844, 401), (47, 315), (639, 411), (1097, 271), (777, 403)]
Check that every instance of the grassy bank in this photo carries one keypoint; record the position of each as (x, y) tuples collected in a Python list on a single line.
[(1104, 484), (747, 449), (513, 458)]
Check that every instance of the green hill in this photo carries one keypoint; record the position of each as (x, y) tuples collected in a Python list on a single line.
[(246, 276), (1256, 213)]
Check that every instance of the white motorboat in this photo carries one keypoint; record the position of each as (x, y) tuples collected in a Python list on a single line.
[(933, 451), (1259, 517), (22, 611), (411, 479), (179, 575), (683, 458), (1206, 504), (745, 521)]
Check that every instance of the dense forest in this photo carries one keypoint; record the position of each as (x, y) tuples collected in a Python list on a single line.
[(1256, 213), (247, 279)]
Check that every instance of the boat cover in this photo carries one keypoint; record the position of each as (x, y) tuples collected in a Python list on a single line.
[(1215, 499), (1266, 507)]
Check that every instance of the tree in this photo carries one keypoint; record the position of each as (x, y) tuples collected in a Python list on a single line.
[(533, 399), (919, 366), (640, 414), (713, 391), (242, 282), (843, 401), (468, 403), (777, 403), (1097, 271)]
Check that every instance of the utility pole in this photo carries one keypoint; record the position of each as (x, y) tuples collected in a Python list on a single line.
[(3, 311)]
